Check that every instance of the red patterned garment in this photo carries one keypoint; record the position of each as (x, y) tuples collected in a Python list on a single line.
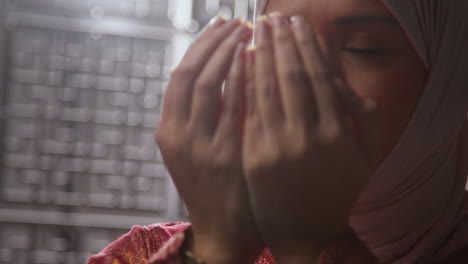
[(154, 244), (161, 244)]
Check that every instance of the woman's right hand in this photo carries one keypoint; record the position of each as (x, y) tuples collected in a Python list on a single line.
[(311, 143), (200, 140)]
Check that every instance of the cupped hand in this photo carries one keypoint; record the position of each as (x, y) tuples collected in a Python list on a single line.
[(200, 140), (311, 144)]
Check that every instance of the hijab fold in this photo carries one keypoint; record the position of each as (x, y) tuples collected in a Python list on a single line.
[(415, 207)]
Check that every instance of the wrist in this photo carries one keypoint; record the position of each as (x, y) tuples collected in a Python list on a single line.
[(308, 251), (211, 252), (220, 251)]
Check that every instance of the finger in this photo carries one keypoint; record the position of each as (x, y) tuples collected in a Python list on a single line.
[(207, 90), (253, 129), (178, 97), (328, 106), (250, 92), (229, 129), (268, 96), (365, 121), (292, 76)]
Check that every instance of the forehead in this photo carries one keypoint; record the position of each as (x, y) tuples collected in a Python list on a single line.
[(327, 8)]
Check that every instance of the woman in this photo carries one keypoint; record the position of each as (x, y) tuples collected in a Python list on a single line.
[(353, 145)]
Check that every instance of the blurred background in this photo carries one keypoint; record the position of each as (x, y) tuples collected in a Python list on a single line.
[(81, 86)]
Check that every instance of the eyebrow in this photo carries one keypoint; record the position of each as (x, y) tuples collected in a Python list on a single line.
[(359, 19)]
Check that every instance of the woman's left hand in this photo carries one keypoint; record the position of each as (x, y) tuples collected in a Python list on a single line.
[(311, 144)]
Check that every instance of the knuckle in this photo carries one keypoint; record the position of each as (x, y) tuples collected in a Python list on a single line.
[(169, 148), (321, 74), (158, 139), (330, 134), (235, 77), (167, 140), (193, 132), (296, 76), (264, 161), (162, 137), (282, 37), (370, 107), (304, 40), (271, 157), (267, 87), (202, 85), (300, 141), (229, 44), (218, 35), (224, 159), (182, 71), (263, 47), (201, 152), (297, 148), (159, 136), (233, 111)]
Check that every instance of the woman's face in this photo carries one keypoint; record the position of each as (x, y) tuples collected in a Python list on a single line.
[(374, 53)]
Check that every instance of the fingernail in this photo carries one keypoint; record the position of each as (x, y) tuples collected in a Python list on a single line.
[(217, 20), (242, 31), (250, 54), (249, 24), (251, 47), (233, 22), (278, 19), (298, 22)]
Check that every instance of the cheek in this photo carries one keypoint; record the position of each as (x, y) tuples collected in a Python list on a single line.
[(396, 93)]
